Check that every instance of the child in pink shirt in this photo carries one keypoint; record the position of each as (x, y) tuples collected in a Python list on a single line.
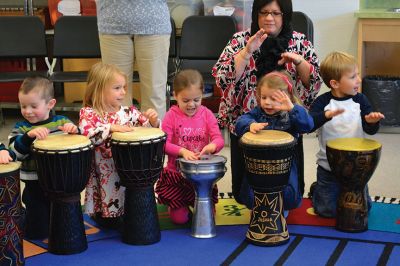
[(192, 130)]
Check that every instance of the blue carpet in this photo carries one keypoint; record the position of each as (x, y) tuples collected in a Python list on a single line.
[(311, 245)]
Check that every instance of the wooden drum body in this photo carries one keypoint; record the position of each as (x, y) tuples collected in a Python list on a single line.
[(352, 161), (203, 174), (139, 159), (268, 157), (63, 167), (11, 216)]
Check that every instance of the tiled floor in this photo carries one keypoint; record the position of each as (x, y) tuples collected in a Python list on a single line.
[(385, 181)]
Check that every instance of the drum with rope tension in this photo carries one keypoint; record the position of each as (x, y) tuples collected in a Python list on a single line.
[(352, 161), (139, 159), (268, 157), (63, 166)]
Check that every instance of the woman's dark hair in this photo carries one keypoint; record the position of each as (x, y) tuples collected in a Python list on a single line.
[(272, 48)]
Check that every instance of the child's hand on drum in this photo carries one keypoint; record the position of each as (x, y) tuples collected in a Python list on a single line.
[(39, 133), (69, 128), (374, 117), (5, 157), (284, 102), (331, 113), (208, 149), (152, 115), (188, 155), (121, 128), (255, 127)]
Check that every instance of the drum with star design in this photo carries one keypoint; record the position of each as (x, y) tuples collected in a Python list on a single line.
[(268, 156)]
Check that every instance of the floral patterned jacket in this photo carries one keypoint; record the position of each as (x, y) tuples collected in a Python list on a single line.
[(240, 97)]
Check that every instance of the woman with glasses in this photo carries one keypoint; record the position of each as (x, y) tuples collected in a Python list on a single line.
[(270, 44)]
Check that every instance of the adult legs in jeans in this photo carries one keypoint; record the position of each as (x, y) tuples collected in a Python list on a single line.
[(151, 52)]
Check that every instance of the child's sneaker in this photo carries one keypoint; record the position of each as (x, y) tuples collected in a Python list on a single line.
[(179, 215)]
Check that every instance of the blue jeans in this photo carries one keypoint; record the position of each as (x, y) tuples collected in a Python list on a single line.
[(326, 194), (291, 193)]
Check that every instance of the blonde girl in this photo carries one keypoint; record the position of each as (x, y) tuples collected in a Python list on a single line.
[(277, 109), (102, 114)]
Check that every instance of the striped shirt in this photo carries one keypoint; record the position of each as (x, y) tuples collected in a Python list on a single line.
[(20, 142)]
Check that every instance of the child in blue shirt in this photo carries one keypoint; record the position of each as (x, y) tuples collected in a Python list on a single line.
[(276, 110)]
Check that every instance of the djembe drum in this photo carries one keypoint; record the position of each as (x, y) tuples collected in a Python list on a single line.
[(11, 216), (139, 158), (203, 174), (63, 167), (268, 157), (352, 161)]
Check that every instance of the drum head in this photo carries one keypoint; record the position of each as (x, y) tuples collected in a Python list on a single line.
[(10, 167), (208, 164), (353, 144), (62, 142), (139, 134), (267, 138), (206, 159)]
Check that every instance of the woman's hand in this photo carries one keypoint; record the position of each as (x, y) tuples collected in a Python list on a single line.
[(152, 115), (255, 41), (374, 117), (121, 128), (69, 128), (188, 155), (208, 149), (255, 127), (289, 57)]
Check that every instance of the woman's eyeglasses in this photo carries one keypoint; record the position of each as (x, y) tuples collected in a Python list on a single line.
[(274, 14)]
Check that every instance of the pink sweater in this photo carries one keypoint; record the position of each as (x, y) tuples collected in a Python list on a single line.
[(192, 133)]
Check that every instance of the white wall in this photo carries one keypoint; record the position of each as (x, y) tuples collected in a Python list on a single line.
[(335, 26)]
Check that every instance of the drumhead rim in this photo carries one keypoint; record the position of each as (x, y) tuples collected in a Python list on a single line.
[(159, 134), (12, 167), (289, 139), (78, 142), (351, 143), (74, 150), (138, 142), (204, 162)]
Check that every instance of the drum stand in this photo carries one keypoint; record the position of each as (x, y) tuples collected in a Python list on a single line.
[(203, 174), (69, 239), (267, 224), (141, 226), (352, 210), (203, 223)]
